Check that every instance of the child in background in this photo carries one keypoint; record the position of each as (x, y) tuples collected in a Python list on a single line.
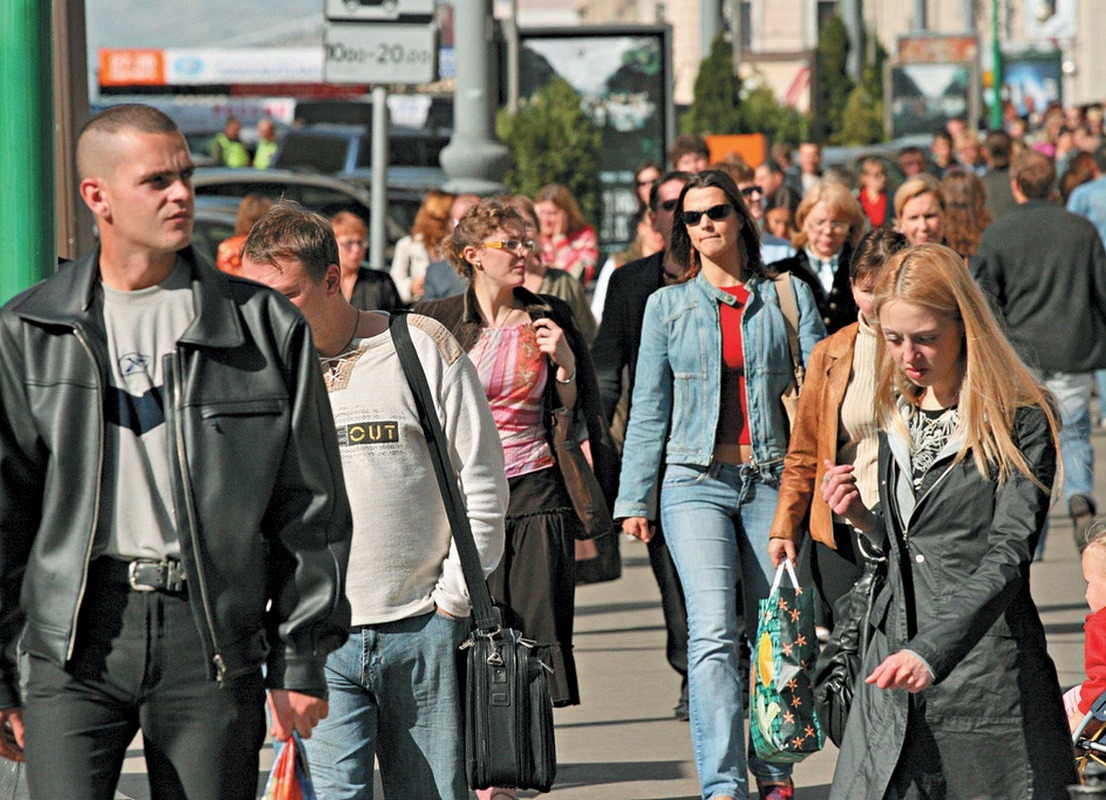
[(1078, 699)]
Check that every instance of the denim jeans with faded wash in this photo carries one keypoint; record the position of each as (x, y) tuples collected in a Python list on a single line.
[(716, 520)]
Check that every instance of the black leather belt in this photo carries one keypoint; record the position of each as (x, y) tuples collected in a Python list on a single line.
[(143, 574)]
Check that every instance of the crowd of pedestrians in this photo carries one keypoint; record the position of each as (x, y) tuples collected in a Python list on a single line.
[(206, 495)]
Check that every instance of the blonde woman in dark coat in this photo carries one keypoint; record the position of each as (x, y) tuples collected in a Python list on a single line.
[(960, 698)]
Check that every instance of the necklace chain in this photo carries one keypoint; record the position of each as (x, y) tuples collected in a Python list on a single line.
[(333, 365)]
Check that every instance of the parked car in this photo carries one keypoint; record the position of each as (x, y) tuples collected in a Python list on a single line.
[(215, 218), (332, 149), (321, 193)]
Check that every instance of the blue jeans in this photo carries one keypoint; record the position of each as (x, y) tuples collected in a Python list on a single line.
[(716, 521), (395, 695), (1073, 393)]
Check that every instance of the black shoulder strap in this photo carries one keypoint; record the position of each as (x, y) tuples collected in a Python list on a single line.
[(485, 613)]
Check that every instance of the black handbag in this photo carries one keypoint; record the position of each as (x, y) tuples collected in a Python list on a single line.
[(839, 664), (509, 738)]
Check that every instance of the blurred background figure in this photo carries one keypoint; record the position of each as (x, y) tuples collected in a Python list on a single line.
[(567, 242), (969, 153), (441, 279), (366, 289), (228, 256), (966, 214), (417, 250), (689, 153), (997, 152), (779, 219), (830, 223), (1081, 169), (913, 161), (872, 192), (920, 210), (772, 248), (771, 178), (227, 150), (940, 152), (644, 178), (810, 167), (544, 279), (266, 144)]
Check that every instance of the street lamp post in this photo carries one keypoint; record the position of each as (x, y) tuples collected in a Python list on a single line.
[(473, 160)]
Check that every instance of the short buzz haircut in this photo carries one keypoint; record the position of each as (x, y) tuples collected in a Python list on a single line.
[(127, 116), (1035, 174), (288, 231)]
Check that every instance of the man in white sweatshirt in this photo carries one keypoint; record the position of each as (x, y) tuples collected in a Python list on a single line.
[(393, 686)]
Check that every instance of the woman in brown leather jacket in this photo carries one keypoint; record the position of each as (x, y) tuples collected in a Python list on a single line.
[(836, 421)]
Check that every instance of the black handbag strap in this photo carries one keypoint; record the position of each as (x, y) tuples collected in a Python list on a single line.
[(484, 612)]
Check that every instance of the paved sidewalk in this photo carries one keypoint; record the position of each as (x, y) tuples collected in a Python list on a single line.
[(623, 741)]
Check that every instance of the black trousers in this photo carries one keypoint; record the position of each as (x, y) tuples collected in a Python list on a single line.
[(139, 665)]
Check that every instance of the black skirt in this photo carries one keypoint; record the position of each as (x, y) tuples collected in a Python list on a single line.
[(535, 583)]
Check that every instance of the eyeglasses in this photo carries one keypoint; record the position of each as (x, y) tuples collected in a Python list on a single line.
[(514, 245), (353, 244), (833, 224), (749, 191), (718, 212), (669, 205)]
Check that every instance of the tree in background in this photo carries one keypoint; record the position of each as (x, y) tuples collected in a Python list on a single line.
[(833, 84), (863, 117), (716, 108), (552, 140), (722, 106)]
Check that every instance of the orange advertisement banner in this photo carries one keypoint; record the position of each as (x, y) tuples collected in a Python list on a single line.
[(132, 67)]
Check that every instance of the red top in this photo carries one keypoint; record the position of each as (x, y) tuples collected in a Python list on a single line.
[(874, 210), (733, 419), (1094, 660)]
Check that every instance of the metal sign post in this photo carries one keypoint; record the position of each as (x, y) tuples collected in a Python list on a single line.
[(379, 42)]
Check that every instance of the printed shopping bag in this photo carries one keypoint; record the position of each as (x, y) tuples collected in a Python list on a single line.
[(783, 722), (290, 779)]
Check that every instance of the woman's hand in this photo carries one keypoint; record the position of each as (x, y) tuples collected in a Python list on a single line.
[(638, 527), (841, 494), (553, 343), (902, 670), (779, 549)]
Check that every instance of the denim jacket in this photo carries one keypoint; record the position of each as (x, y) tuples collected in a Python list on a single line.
[(677, 390)]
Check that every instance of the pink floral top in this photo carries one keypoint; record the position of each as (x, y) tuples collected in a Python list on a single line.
[(513, 372)]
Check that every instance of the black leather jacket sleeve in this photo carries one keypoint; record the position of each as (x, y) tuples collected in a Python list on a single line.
[(309, 525)]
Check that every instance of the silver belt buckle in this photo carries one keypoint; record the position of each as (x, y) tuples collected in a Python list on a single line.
[(144, 575), (139, 585)]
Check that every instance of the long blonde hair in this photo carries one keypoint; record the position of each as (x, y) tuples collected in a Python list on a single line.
[(995, 384)]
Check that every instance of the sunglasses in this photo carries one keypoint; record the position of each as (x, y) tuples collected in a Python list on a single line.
[(716, 213), (749, 191), (646, 183), (514, 245), (669, 205)]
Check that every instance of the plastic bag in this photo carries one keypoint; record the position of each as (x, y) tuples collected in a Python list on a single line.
[(290, 778), (782, 721)]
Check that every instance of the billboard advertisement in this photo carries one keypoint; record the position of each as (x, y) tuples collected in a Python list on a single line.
[(1032, 81), (623, 77), (925, 96)]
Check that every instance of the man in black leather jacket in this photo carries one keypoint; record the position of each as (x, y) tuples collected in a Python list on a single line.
[(172, 510)]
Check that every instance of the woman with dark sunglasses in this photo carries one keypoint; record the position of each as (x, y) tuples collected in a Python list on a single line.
[(708, 421)]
